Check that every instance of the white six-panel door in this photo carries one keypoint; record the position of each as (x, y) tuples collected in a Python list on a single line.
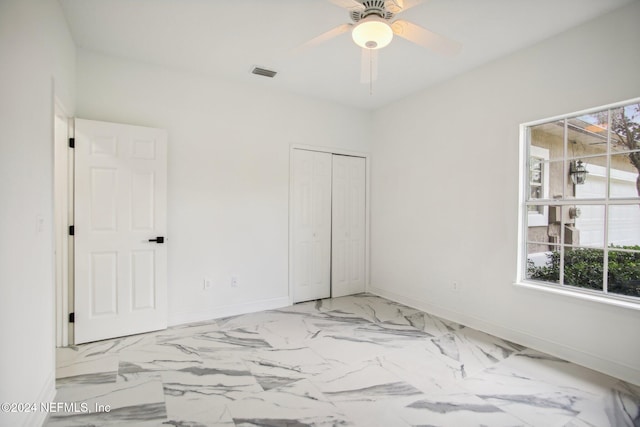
[(328, 225), (348, 226), (311, 225), (120, 205)]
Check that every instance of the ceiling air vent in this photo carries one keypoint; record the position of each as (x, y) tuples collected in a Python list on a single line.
[(264, 72)]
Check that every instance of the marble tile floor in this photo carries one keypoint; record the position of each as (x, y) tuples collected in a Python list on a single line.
[(352, 361)]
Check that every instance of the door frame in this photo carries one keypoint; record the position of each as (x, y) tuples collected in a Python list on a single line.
[(341, 152), (62, 217)]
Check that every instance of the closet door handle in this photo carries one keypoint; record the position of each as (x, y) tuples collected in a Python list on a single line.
[(159, 239)]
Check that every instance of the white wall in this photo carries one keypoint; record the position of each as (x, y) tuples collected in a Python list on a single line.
[(37, 59), (228, 186), (228, 173), (445, 193)]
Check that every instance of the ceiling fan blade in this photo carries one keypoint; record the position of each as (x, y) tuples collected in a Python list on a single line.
[(322, 38), (347, 4), (397, 6), (369, 66), (425, 38)]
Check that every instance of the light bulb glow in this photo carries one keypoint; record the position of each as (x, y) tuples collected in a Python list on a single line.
[(372, 33)]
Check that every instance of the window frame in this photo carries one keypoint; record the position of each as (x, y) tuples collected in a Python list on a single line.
[(525, 215)]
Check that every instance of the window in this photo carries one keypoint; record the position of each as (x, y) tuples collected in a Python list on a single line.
[(581, 202)]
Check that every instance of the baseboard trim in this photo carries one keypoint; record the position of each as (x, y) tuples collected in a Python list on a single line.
[(580, 357), (182, 318), (47, 394)]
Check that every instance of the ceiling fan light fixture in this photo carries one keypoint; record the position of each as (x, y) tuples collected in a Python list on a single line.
[(372, 33)]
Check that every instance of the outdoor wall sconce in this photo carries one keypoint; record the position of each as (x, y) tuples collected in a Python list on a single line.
[(578, 172)]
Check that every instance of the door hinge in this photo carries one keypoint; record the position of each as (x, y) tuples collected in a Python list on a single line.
[(72, 143), (72, 318), (72, 230)]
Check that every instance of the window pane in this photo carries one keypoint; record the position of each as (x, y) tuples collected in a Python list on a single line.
[(624, 175), (589, 224), (587, 135), (583, 267), (536, 210), (624, 226), (545, 179), (556, 172), (543, 233), (542, 222), (593, 184), (624, 273), (625, 128), (543, 263), (548, 136)]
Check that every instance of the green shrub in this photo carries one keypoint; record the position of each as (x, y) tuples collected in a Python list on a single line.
[(584, 268)]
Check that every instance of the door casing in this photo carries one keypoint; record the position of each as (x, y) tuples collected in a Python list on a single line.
[(62, 217)]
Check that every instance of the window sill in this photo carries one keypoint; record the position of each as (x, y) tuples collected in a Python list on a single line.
[(580, 295)]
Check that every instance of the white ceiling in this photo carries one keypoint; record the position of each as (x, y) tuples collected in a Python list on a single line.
[(226, 38)]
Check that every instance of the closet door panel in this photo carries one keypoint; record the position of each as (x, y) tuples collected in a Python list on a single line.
[(348, 225), (311, 225)]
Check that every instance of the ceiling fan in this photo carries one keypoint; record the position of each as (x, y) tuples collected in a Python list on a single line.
[(373, 27)]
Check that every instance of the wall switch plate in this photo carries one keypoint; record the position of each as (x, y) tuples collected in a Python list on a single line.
[(206, 284)]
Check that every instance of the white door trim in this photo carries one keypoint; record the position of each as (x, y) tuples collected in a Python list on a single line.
[(63, 199), (367, 245)]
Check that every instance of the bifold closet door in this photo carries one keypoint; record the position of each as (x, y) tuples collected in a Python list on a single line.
[(311, 270), (348, 226)]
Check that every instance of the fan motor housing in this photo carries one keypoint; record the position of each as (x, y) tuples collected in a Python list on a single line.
[(371, 7)]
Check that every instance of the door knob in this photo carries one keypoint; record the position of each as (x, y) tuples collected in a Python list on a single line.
[(159, 239)]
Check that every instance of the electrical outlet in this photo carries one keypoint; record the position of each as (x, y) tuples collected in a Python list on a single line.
[(234, 281), (455, 287), (206, 284)]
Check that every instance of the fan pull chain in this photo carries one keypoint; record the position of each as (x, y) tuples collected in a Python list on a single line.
[(370, 73)]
